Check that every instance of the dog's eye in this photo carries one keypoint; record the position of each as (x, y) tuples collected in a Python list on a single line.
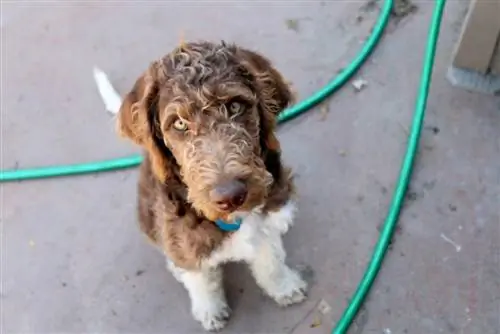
[(236, 107), (180, 125)]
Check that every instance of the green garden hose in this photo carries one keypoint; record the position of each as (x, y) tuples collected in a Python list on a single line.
[(404, 177)]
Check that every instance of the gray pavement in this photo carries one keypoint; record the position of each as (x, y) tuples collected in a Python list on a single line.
[(73, 260)]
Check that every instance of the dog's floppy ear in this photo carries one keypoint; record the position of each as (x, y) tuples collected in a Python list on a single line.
[(273, 92), (274, 96), (136, 121), (132, 120)]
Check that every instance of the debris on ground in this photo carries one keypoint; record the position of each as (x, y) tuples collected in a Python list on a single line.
[(293, 24), (458, 248), (387, 331), (359, 84), (342, 153), (31, 243), (412, 195), (402, 8), (434, 129), (323, 110), (316, 322), (324, 307), (369, 6)]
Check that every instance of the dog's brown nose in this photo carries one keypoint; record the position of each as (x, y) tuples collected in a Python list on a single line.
[(229, 195)]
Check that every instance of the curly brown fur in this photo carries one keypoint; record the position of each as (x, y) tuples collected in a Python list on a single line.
[(197, 85)]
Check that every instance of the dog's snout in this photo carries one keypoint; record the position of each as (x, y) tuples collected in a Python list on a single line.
[(229, 195)]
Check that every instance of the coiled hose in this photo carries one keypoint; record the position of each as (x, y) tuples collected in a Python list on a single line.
[(294, 111)]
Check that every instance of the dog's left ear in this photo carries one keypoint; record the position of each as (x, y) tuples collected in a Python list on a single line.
[(274, 96)]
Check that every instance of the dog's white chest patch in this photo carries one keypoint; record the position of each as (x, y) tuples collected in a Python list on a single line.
[(255, 230)]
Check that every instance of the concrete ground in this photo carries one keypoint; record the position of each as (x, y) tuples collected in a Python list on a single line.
[(73, 260)]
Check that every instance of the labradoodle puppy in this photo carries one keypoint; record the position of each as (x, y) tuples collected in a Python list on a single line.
[(212, 186)]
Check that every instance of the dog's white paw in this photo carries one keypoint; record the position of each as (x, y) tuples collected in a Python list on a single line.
[(212, 316), (292, 290)]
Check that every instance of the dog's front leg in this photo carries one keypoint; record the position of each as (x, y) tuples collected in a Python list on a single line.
[(274, 276), (206, 291)]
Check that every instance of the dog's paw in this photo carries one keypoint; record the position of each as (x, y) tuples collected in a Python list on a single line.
[(292, 290), (213, 317)]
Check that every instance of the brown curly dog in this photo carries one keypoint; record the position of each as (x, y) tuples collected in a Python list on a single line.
[(212, 187)]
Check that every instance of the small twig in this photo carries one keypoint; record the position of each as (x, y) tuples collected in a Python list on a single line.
[(458, 248)]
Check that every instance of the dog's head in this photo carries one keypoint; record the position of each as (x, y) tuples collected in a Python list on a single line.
[(206, 114)]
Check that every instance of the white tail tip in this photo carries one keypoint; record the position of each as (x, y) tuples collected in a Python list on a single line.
[(110, 97)]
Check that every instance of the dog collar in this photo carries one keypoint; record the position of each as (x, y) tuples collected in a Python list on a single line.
[(229, 227)]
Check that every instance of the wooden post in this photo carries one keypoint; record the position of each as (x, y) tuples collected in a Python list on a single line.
[(495, 64), (477, 48)]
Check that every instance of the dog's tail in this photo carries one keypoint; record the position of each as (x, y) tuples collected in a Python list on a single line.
[(109, 95)]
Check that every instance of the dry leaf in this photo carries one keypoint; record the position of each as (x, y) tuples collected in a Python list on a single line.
[(316, 322), (292, 24)]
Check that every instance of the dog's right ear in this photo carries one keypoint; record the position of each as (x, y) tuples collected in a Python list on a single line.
[(135, 117)]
